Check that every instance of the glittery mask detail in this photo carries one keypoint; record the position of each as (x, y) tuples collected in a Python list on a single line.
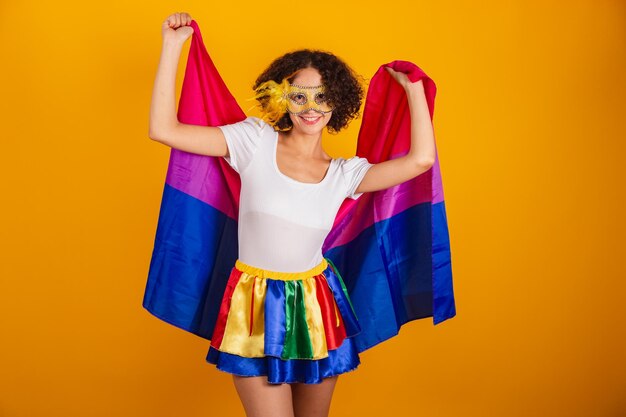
[(305, 98)]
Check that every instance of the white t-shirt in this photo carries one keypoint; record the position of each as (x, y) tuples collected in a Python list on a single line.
[(283, 222)]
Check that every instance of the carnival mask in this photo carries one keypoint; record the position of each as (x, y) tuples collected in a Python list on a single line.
[(303, 99), (279, 98)]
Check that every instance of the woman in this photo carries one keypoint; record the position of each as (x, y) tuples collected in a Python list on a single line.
[(281, 154)]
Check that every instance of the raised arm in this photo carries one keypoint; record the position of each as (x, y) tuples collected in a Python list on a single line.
[(164, 125), (421, 155)]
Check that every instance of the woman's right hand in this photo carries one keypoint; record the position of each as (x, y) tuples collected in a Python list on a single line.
[(176, 27)]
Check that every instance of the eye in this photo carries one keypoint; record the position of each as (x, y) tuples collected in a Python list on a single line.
[(298, 98), (320, 98)]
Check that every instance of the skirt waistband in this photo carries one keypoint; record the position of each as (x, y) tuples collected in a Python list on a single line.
[(283, 276)]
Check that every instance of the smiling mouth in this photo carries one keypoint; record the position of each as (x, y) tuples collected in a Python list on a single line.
[(311, 120)]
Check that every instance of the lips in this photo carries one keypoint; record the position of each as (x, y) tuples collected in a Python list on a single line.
[(310, 120)]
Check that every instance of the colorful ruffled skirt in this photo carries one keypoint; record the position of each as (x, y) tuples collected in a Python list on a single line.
[(288, 326)]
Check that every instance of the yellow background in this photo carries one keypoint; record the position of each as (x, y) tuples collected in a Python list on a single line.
[(530, 126)]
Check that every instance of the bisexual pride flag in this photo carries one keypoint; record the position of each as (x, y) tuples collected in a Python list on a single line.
[(391, 246)]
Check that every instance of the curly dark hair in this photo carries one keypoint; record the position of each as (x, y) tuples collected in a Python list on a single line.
[(343, 86)]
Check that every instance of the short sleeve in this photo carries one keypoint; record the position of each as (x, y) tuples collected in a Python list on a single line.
[(353, 170), (242, 139)]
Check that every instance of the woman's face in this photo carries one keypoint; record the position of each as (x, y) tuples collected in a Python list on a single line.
[(310, 121)]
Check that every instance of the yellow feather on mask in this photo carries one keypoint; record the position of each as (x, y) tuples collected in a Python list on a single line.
[(273, 95)]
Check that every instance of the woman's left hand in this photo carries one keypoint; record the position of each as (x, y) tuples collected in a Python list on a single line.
[(401, 78)]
